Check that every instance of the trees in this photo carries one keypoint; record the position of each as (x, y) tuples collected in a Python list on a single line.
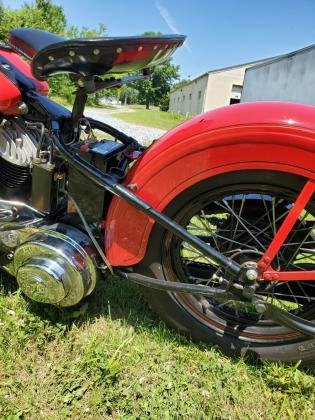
[(128, 95), (155, 91), (43, 14)]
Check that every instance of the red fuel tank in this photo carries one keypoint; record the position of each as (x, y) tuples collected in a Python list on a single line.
[(10, 95)]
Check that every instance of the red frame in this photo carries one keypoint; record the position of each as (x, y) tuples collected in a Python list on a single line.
[(264, 264)]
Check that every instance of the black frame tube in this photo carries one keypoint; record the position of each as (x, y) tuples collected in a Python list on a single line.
[(177, 287), (111, 184)]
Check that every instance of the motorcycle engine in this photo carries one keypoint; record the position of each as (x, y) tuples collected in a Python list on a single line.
[(18, 146), (53, 264)]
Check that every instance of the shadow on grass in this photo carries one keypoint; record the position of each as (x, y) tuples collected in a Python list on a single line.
[(119, 299), (8, 283), (113, 297)]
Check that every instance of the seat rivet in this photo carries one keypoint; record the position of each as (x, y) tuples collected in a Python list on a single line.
[(96, 51)]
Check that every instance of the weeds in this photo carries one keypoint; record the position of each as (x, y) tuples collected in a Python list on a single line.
[(110, 357)]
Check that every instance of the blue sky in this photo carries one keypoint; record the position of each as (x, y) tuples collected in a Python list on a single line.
[(219, 32)]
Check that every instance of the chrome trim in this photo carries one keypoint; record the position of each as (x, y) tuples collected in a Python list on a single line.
[(23, 206), (62, 263), (40, 279)]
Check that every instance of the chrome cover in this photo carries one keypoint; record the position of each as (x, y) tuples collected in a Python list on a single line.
[(17, 214), (56, 266)]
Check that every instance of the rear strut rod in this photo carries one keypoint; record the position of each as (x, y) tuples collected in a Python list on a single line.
[(110, 183)]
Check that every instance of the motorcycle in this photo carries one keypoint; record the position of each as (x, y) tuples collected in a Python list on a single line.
[(215, 219)]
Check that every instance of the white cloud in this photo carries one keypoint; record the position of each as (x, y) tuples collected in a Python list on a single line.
[(169, 20)]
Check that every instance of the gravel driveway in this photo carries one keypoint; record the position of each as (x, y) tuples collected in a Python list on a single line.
[(144, 135)]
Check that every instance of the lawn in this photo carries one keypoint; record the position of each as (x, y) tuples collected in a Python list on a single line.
[(151, 117), (111, 357)]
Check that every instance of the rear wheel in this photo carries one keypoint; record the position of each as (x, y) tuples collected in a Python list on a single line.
[(238, 214)]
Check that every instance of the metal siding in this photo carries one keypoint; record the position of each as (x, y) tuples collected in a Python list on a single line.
[(291, 78)]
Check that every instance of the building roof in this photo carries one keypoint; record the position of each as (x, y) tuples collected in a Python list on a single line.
[(283, 56), (255, 63)]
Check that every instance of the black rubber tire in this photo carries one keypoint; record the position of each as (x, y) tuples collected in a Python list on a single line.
[(177, 316)]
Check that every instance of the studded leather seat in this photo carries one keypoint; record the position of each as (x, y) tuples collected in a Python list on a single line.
[(51, 53)]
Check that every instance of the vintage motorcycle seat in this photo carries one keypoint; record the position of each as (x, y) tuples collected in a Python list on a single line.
[(51, 53)]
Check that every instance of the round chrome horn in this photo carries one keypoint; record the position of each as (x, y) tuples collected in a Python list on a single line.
[(56, 268)]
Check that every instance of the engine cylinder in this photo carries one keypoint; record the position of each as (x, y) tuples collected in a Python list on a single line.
[(15, 180), (56, 268), (17, 149)]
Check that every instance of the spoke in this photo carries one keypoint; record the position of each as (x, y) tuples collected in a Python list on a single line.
[(271, 219), (243, 224), (287, 296), (198, 280), (280, 201), (298, 267), (260, 232), (274, 228), (310, 250), (274, 225), (213, 236), (198, 254), (303, 257), (303, 291), (300, 244), (237, 220), (292, 294), (207, 227), (253, 225), (308, 284), (296, 251)]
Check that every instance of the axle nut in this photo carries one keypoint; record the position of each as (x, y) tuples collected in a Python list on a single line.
[(251, 275)]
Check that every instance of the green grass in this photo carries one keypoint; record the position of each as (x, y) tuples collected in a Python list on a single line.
[(151, 118), (60, 100), (111, 357), (68, 104)]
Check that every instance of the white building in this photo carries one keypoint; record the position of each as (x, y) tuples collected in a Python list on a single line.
[(210, 90), (290, 77)]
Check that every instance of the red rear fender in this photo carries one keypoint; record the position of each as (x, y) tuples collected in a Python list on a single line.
[(262, 135)]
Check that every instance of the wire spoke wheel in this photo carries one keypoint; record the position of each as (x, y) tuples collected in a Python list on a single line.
[(240, 219)]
